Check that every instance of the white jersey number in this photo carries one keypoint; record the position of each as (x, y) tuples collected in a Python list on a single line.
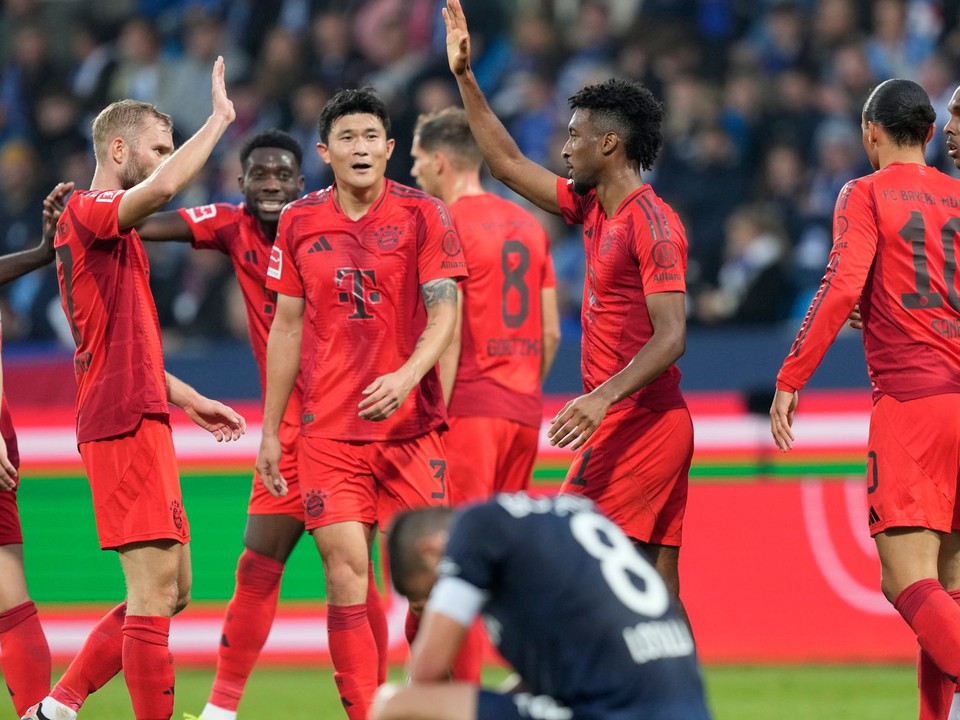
[(620, 562)]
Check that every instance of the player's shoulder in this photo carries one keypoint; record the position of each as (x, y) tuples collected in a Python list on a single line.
[(83, 197), (408, 195), (309, 202), (227, 212)]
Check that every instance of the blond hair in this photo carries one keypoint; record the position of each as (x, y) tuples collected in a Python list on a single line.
[(124, 118)]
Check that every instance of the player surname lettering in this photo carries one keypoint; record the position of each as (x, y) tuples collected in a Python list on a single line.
[(949, 329), (520, 505), (508, 347), (648, 641)]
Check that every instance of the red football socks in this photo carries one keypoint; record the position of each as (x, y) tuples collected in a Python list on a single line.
[(24, 656), (354, 653), (467, 663), (148, 666), (935, 618), (936, 689), (96, 663), (246, 627), (378, 624)]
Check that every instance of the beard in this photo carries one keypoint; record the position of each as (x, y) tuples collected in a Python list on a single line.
[(132, 174)]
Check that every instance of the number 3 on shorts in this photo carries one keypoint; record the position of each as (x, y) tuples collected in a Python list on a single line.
[(439, 472)]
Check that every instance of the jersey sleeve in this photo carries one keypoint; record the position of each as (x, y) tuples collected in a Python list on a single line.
[(439, 252), (207, 222), (660, 249), (99, 213), (283, 276), (855, 237), (549, 279), (572, 206)]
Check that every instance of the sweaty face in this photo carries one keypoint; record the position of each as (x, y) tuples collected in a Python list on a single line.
[(271, 179), (425, 169), (952, 128), (145, 152), (357, 150), (580, 153)]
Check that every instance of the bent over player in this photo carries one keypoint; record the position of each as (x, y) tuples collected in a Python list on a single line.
[(569, 601), (366, 273), (631, 430), (123, 398), (894, 238)]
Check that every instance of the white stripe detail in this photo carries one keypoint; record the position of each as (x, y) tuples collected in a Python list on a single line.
[(457, 599)]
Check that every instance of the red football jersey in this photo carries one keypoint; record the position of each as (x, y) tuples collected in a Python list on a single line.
[(7, 431), (105, 292), (894, 251), (364, 314), (508, 259), (639, 251)]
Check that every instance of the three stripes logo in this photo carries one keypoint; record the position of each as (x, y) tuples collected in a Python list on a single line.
[(320, 245)]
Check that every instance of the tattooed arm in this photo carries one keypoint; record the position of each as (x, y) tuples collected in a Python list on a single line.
[(387, 393)]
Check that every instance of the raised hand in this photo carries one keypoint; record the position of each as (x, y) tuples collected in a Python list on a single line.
[(53, 205), (222, 105), (458, 37)]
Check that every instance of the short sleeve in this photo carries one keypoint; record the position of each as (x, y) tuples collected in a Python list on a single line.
[(283, 276), (480, 540), (439, 252), (99, 214), (207, 223), (572, 206), (660, 248)]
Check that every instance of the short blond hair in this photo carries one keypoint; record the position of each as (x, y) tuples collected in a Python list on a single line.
[(124, 118)]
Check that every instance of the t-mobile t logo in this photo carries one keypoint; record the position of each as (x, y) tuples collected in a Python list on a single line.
[(359, 288)]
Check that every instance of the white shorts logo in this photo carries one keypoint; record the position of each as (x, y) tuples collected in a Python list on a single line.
[(201, 213), (276, 263)]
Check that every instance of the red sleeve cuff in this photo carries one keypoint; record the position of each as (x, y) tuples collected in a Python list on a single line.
[(786, 387)]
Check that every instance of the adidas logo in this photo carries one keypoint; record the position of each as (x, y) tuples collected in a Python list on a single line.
[(873, 517), (320, 245)]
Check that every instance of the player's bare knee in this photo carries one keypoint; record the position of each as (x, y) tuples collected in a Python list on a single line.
[(183, 599)]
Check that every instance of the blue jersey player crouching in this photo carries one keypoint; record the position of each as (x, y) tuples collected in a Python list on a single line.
[(579, 613)]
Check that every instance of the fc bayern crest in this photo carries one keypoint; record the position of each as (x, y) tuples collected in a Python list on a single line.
[(665, 254), (388, 237), (314, 502), (451, 243)]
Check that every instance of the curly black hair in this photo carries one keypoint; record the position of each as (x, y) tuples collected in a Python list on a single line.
[(629, 109), (352, 102), (903, 109), (271, 139)]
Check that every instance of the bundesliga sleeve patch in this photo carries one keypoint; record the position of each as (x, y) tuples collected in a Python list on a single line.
[(204, 212), (276, 263)]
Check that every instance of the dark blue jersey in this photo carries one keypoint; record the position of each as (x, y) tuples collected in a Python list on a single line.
[(578, 612)]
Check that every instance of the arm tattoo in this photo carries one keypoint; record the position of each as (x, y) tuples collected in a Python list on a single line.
[(443, 290)]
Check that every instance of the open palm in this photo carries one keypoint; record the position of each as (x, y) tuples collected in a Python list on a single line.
[(458, 38)]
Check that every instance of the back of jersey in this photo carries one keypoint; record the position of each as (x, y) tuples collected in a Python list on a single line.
[(911, 301), (578, 612)]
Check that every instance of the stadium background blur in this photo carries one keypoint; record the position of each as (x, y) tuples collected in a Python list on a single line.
[(763, 107)]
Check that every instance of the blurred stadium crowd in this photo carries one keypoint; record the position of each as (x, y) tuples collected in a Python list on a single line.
[(762, 102)]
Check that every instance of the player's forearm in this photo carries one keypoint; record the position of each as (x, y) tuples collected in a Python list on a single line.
[(663, 349), (179, 393), (20, 263), (435, 338), (283, 365), (449, 364), (551, 343), (499, 149), (164, 227)]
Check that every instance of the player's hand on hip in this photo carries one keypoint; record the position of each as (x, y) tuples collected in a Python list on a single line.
[(222, 105), (458, 38), (782, 410), (578, 420), (268, 465), (385, 395), (221, 421), (8, 473)]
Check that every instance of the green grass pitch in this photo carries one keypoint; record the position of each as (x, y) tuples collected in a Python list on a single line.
[(814, 692)]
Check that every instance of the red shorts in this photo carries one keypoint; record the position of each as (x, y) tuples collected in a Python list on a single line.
[(261, 501), (136, 486), (368, 482), (913, 462), (487, 455), (636, 468), (10, 533)]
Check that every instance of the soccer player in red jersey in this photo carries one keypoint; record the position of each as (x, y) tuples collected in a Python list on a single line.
[(631, 430), (123, 398), (366, 270), (24, 653), (509, 327), (270, 163), (895, 233)]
